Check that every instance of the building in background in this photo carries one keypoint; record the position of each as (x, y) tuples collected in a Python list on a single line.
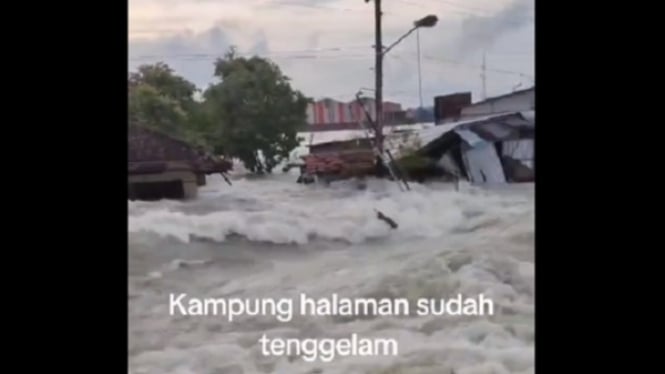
[(458, 106), (329, 114), (420, 115), (448, 108), (517, 101)]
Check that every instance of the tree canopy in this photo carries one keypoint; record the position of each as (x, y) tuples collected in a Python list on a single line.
[(251, 112), (161, 100)]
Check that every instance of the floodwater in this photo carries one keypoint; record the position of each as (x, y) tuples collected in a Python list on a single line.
[(274, 238)]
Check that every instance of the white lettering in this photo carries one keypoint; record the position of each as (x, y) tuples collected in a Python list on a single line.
[(308, 348), (282, 309), (307, 305), (456, 306), (277, 347), (177, 303), (389, 347), (423, 307), (236, 308), (326, 350), (264, 345), (490, 305), (195, 307), (344, 347), (342, 306), (214, 303), (457, 302)]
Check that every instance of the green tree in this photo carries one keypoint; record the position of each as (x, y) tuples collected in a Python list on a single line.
[(253, 111), (162, 100), (164, 79)]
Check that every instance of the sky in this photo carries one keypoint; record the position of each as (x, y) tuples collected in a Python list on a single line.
[(325, 46)]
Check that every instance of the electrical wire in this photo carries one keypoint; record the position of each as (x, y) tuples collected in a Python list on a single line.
[(483, 14)]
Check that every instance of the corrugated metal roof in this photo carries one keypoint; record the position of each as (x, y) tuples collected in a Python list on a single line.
[(420, 138), (408, 137), (499, 97), (344, 135), (470, 137), (529, 115), (405, 143)]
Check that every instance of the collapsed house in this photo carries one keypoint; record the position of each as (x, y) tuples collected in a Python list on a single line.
[(163, 167), (492, 149), (340, 159)]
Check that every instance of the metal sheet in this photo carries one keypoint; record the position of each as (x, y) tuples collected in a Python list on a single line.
[(470, 137), (496, 130), (483, 164), (447, 163), (519, 149)]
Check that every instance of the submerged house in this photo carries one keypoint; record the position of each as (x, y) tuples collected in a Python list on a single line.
[(340, 159), (163, 167), (491, 149)]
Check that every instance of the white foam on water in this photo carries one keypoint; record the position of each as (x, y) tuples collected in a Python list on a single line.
[(295, 216), (471, 242)]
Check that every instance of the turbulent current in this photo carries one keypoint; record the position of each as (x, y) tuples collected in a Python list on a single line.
[(273, 238)]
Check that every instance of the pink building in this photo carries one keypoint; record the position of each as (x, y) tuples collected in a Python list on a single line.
[(333, 112)]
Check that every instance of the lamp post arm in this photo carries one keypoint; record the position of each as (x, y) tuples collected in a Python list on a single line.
[(398, 40)]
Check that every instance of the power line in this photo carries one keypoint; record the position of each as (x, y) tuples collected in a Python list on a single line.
[(308, 53), (485, 13), (427, 58), (351, 94), (466, 7), (461, 8), (470, 7), (212, 57), (513, 54), (297, 54), (419, 5), (314, 54), (465, 65), (314, 6)]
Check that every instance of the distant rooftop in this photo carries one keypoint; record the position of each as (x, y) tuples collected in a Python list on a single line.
[(494, 98)]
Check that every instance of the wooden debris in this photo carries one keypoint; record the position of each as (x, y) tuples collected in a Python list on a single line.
[(347, 163), (393, 225)]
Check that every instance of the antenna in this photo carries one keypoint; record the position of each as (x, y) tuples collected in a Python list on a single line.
[(483, 76), (420, 81)]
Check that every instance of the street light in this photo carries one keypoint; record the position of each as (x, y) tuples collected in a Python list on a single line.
[(427, 21)]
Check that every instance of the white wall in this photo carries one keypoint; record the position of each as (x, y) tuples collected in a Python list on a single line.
[(310, 113), (523, 101)]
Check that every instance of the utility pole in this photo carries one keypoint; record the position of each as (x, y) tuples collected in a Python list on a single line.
[(483, 75), (427, 21), (420, 81), (378, 74)]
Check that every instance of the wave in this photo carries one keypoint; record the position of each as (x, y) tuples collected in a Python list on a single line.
[(303, 215)]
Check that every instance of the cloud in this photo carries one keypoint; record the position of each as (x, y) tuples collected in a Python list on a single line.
[(191, 54), (481, 32), (261, 46), (325, 46)]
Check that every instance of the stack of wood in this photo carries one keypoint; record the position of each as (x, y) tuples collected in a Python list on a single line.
[(342, 164)]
